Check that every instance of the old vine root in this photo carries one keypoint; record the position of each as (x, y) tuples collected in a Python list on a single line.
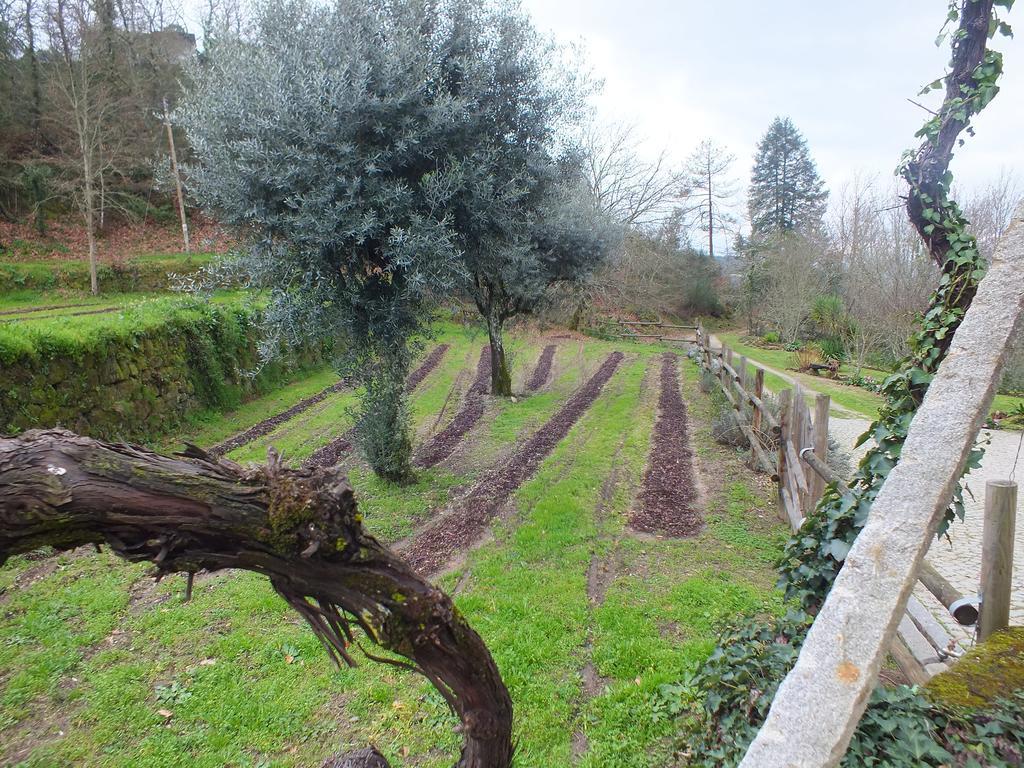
[(300, 528)]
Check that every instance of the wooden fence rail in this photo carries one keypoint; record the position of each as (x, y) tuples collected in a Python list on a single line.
[(789, 441), (628, 329)]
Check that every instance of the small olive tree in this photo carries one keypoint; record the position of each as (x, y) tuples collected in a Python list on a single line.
[(330, 133), (523, 216)]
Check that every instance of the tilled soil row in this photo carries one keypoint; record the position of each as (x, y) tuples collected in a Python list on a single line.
[(443, 443), (458, 530), (330, 454), (268, 425), (429, 363), (543, 369), (667, 500)]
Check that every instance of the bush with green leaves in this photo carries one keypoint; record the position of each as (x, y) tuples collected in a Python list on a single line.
[(832, 349)]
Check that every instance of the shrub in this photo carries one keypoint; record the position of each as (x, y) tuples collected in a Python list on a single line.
[(804, 358), (771, 337), (832, 349)]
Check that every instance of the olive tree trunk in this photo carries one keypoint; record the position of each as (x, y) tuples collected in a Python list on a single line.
[(299, 528), (501, 376)]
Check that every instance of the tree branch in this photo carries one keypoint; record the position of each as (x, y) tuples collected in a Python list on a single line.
[(300, 528)]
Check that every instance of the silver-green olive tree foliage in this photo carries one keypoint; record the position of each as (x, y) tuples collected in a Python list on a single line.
[(522, 215), (330, 134)]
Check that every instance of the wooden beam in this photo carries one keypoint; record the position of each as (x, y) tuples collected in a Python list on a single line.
[(997, 556)]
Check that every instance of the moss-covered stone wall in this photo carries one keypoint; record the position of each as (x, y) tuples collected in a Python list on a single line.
[(137, 378)]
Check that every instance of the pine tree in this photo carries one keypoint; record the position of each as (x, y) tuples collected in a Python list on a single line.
[(786, 192), (710, 189)]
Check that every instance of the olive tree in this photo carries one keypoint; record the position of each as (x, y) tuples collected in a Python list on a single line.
[(522, 214), (329, 134)]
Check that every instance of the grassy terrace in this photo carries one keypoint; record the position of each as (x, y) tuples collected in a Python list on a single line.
[(93, 655), (853, 399)]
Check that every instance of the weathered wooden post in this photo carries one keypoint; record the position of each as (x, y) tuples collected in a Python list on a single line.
[(797, 412), (742, 371), (997, 556), (755, 416), (784, 400), (820, 442)]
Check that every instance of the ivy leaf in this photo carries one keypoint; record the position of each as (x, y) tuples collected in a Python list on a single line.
[(839, 549)]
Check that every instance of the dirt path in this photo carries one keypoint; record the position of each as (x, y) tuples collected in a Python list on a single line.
[(668, 497), (543, 369), (443, 443), (268, 425), (460, 528), (839, 410), (329, 455)]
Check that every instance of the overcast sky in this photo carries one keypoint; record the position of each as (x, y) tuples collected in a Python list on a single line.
[(687, 69)]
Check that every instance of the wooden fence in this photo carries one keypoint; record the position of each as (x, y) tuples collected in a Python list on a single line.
[(637, 330), (789, 441)]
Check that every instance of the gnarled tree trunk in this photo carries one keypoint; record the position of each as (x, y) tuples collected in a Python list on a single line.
[(501, 376), (299, 528)]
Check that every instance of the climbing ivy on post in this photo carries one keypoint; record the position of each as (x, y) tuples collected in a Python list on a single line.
[(815, 554), (739, 681)]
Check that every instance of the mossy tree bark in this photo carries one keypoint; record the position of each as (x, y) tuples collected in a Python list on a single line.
[(299, 528), (497, 306), (501, 376)]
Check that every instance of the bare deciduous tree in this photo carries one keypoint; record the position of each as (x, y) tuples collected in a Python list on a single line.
[(710, 190), (632, 190)]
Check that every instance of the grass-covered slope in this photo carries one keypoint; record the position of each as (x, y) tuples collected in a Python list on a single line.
[(588, 621)]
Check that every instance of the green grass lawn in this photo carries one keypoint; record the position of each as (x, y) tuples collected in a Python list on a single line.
[(92, 652), (855, 399), (852, 398)]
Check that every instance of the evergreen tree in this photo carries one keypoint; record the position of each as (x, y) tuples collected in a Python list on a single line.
[(522, 215), (329, 136), (786, 192)]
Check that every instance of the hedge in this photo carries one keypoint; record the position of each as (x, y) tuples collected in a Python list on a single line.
[(135, 374)]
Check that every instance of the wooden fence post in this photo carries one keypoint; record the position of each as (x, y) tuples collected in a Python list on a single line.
[(755, 416), (742, 371), (821, 405), (797, 412), (784, 398), (997, 556)]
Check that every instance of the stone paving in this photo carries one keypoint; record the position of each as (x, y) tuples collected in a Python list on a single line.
[(958, 558)]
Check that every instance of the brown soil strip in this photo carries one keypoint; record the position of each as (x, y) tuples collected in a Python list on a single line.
[(49, 308), (429, 363), (457, 531), (329, 455), (668, 499), (543, 369), (443, 443), (268, 425)]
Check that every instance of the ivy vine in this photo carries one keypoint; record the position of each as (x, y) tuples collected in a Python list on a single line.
[(740, 679), (816, 552)]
